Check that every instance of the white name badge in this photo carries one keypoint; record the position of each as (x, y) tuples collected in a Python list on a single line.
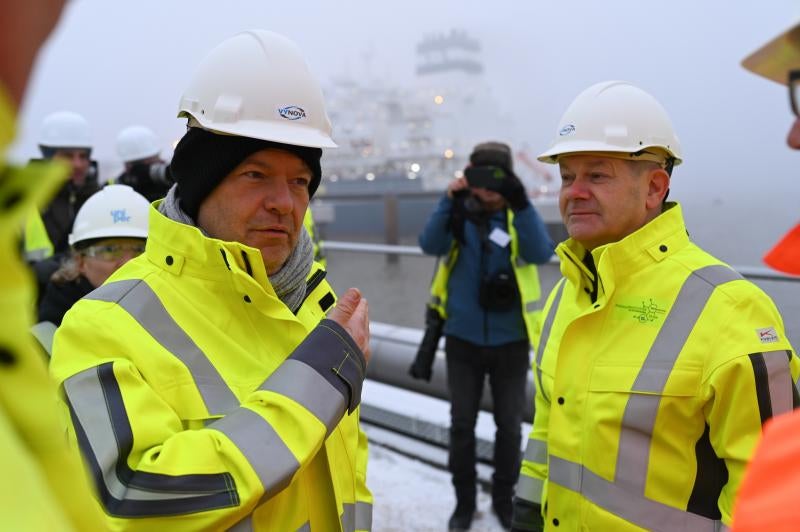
[(499, 237)]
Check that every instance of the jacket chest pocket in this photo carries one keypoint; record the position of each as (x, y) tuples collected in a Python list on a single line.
[(642, 398)]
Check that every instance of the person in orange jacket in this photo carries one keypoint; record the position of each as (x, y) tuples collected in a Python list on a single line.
[(779, 60), (767, 499)]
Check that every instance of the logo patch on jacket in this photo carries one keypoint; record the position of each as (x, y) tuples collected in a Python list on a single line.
[(767, 335), (644, 310)]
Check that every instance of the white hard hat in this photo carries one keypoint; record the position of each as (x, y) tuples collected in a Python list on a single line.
[(137, 142), (257, 84), (614, 117), (775, 59), (116, 211), (65, 129)]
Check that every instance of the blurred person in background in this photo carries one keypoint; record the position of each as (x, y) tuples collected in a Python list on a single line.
[(145, 171), (64, 136), (485, 290), (109, 230), (313, 232), (44, 485)]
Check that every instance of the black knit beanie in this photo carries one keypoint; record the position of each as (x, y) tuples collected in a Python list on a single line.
[(492, 154), (202, 159)]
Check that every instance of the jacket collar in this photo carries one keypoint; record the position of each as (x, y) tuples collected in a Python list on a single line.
[(184, 249), (660, 238)]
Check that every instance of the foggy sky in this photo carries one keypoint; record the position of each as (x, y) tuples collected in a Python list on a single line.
[(119, 62)]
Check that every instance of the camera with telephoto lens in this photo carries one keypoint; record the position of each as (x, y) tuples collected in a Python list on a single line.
[(488, 177), (155, 172), (499, 292), (422, 367)]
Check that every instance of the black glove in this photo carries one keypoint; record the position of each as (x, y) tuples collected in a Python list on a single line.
[(513, 192)]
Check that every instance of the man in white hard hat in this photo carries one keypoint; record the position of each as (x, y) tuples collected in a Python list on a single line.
[(657, 364), (65, 136), (206, 386), (145, 170), (767, 499)]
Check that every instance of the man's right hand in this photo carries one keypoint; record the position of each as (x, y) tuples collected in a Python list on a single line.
[(352, 313), (456, 185)]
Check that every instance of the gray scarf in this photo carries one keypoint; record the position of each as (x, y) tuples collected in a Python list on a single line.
[(289, 282)]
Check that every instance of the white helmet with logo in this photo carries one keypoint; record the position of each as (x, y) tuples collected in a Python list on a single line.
[(257, 84), (615, 117), (65, 129), (135, 143), (116, 211)]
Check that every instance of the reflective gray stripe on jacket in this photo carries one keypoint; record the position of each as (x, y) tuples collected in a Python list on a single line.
[(106, 439), (545, 336), (297, 378), (356, 517), (44, 331)]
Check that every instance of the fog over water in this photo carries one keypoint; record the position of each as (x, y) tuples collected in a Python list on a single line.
[(126, 62)]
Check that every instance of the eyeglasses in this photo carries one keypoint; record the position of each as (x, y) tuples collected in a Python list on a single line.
[(113, 252), (794, 91)]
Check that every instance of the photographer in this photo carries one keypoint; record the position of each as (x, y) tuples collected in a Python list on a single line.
[(486, 288), (145, 171)]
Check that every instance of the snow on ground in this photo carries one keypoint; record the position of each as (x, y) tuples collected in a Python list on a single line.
[(427, 408), (413, 496)]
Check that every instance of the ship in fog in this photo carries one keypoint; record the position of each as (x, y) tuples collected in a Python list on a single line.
[(399, 146)]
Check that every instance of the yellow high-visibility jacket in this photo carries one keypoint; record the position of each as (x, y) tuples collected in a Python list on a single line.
[(201, 402), (311, 227), (43, 485), (650, 400), (37, 242)]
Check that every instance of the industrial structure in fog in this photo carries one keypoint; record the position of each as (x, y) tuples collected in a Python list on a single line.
[(418, 136)]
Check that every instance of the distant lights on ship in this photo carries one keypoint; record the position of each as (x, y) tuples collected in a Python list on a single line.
[(448, 153), (370, 176), (414, 169), (438, 99)]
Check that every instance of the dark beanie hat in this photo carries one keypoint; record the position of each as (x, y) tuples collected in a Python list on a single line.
[(492, 154), (202, 159)]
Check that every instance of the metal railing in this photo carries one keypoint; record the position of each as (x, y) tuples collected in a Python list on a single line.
[(381, 249), (754, 273)]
